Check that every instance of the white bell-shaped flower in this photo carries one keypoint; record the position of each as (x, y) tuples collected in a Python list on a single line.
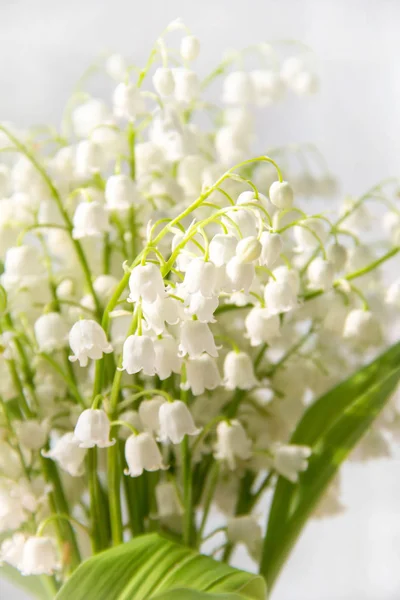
[(88, 116), (116, 67), (168, 503), (244, 530), (238, 88), (245, 220), (201, 277), (88, 340), (128, 101), (146, 282), (93, 429), (261, 326), (363, 327), (148, 158), (51, 332), (196, 338), (39, 556), (321, 273), (176, 422), (240, 275), (202, 374), (149, 414), (89, 159), (32, 433), (337, 255), (11, 550), (68, 453), (168, 360), (393, 294), (120, 193), (289, 460), (239, 371), (232, 443), (142, 454), (268, 85), (163, 81), (283, 274), (23, 267), (90, 220), (271, 248), (222, 248), (305, 84), (5, 181), (138, 354), (308, 238), (163, 310), (187, 86), (202, 307), (281, 195), (249, 197), (248, 250), (190, 47), (190, 173)]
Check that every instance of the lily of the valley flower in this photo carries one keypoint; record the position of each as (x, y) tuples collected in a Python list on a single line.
[(93, 429)]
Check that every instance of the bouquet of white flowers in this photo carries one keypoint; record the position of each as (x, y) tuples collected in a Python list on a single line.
[(167, 323)]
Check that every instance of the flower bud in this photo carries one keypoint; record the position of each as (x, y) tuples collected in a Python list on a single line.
[(39, 556), (93, 429), (128, 101), (239, 371), (51, 332), (232, 443), (176, 422), (190, 47), (321, 273), (68, 453), (88, 340), (248, 250), (290, 460), (138, 354), (146, 282), (142, 454), (271, 248), (337, 254), (261, 326), (281, 195), (163, 81)]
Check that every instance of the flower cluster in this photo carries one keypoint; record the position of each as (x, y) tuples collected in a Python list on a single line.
[(167, 317)]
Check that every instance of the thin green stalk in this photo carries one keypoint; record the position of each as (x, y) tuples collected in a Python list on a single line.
[(209, 495), (188, 516)]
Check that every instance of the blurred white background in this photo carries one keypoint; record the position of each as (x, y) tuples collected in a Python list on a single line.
[(45, 46)]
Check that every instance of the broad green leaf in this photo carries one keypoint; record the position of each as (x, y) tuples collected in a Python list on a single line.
[(185, 594), (149, 565), (332, 426)]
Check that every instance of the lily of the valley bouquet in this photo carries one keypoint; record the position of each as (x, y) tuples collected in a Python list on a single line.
[(183, 340)]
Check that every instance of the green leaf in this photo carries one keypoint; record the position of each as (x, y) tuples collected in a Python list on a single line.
[(149, 565), (332, 426), (185, 594)]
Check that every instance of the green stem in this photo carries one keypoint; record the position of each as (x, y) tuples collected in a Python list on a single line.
[(188, 516)]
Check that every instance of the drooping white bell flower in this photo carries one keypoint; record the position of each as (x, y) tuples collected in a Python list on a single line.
[(163, 310), (196, 338), (291, 66), (146, 282), (120, 193), (249, 197), (39, 556), (245, 221), (283, 274), (271, 248), (68, 453), (88, 116), (261, 326), (238, 88), (163, 81), (176, 422), (116, 67), (88, 340), (93, 429), (89, 159), (279, 297), (90, 220), (142, 454), (289, 460), (168, 360), (32, 433), (187, 86), (363, 327), (321, 273), (11, 550), (281, 195), (337, 254), (5, 181), (240, 275), (309, 237), (248, 250), (148, 158), (202, 277), (222, 248), (190, 47), (23, 267), (138, 354), (305, 83), (231, 145), (168, 503), (128, 101), (51, 332), (232, 443), (203, 308), (149, 414), (393, 293), (268, 85), (244, 530), (239, 371), (202, 374)]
